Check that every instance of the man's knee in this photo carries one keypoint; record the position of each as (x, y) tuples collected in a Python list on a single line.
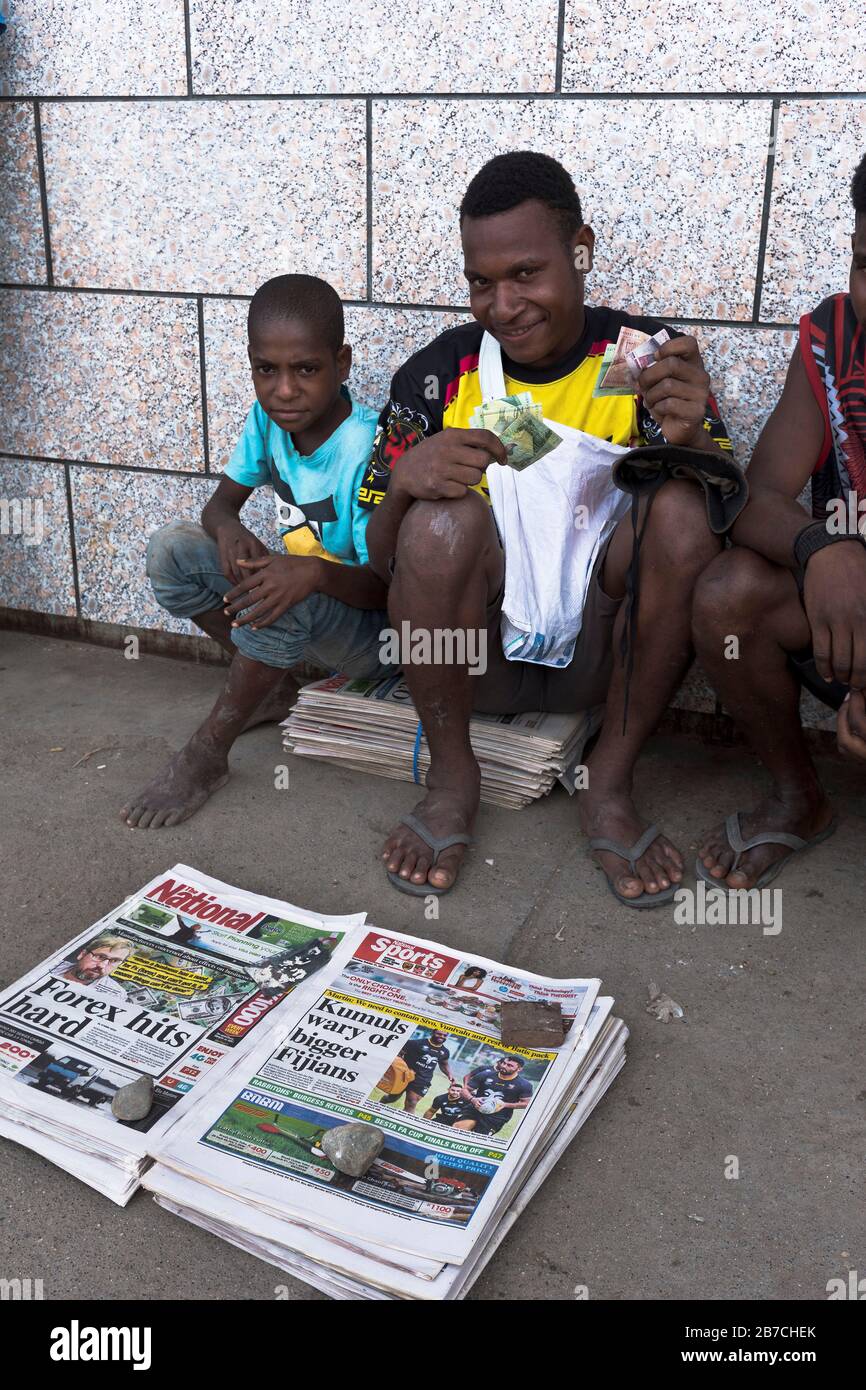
[(444, 537), (736, 586), (679, 531)]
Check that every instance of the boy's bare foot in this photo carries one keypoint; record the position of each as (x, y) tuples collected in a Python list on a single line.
[(611, 815), (177, 792), (447, 809), (276, 705), (806, 818)]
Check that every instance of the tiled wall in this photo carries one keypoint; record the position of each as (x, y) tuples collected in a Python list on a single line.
[(159, 161)]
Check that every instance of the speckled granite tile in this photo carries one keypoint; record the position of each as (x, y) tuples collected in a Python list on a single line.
[(115, 513), (22, 249), (107, 378), (747, 367), (381, 46), (207, 195), (381, 340), (811, 218), (676, 233), (101, 48), (35, 548), (791, 46)]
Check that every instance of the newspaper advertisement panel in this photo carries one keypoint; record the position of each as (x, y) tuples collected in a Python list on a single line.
[(405, 1035), (171, 984)]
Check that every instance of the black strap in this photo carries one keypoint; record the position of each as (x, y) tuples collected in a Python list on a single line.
[(628, 637)]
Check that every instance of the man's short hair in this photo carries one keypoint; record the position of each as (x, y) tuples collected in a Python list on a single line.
[(508, 180), (521, 1061), (304, 298), (858, 187)]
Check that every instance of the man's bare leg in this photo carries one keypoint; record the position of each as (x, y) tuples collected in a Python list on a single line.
[(743, 595), (676, 547), (277, 703), (201, 767), (449, 565)]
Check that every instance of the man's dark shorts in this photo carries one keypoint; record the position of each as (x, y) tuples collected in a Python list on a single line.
[(515, 687), (420, 1086)]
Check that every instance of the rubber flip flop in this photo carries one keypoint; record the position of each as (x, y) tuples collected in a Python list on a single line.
[(423, 890), (795, 843), (632, 855)]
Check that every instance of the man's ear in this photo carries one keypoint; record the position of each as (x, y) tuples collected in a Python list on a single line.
[(344, 362), (582, 247), (249, 354)]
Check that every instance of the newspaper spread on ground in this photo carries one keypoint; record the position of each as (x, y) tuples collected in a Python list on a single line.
[(170, 985), (402, 1034), (371, 726)]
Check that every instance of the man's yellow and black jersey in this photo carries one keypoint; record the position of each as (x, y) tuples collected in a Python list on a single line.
[(438, 388)]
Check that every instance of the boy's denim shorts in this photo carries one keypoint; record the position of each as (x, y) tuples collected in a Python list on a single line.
[(184, 570)]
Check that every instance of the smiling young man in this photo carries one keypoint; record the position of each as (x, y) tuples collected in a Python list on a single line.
[(432, 534), (793, 589)]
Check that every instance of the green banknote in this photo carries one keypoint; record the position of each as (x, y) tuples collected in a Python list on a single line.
[(527, 439)]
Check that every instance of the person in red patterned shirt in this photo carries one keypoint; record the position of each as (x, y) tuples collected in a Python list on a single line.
[(793, 591)]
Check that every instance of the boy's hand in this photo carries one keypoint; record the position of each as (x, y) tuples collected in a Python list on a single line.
[(447, 464), (676, 390), (235, 544), (272, 585), (834, 595), (851, 727)]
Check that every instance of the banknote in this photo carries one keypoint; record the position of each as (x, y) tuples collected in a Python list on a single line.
[(643, 356), (517, 420), (527, 439), (614, 379), (495, 414)]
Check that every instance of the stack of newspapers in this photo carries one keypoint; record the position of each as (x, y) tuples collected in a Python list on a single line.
[(372, 726), (166, 987), (256, 1028), (403, 1035)]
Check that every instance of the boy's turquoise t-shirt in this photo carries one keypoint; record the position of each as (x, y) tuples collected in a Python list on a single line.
[(316, 496)]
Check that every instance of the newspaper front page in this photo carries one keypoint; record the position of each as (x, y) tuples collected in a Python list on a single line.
[(172, 984), (343, 1269), (404, 1034)]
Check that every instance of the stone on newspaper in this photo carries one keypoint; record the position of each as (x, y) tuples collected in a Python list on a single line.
[(353, 1147), (531, 1023), (134, 1101)]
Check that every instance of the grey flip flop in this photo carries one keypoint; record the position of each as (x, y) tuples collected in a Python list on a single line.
[(632, 855), (422, 890), (795, 843)]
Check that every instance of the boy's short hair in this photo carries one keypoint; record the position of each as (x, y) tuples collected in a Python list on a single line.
[(858, 187), (305, 298), (508, 180)]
